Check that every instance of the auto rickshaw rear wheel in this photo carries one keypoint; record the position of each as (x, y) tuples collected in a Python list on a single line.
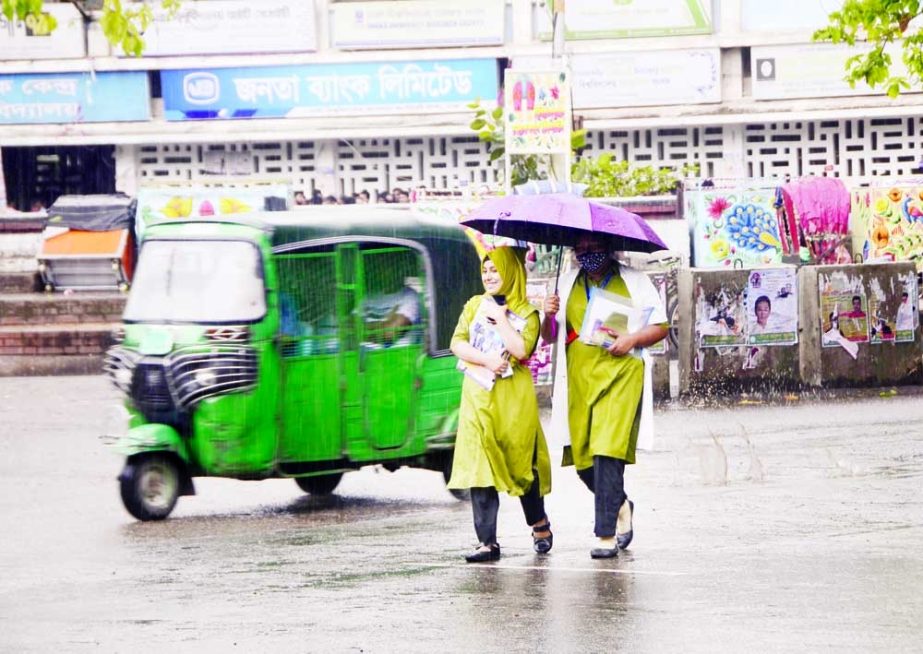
[(319, 485), (150, 485)]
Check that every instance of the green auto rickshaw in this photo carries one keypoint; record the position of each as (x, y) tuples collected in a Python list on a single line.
[(289, 344)]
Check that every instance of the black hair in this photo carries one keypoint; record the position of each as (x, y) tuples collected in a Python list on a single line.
[(761, 298), (857, 297)]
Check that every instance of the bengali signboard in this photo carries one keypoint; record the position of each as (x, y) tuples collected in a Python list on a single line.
[(605, 19), (646, 78), (232, 26), (807, 71), (537, 112), (328, 89), (31, 39), (74, 98), (786, 15), (417, 24)]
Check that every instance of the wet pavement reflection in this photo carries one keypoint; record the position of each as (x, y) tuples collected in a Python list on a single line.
[(764, 528)]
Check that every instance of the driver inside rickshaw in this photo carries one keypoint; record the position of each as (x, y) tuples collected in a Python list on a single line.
[(390, 317)]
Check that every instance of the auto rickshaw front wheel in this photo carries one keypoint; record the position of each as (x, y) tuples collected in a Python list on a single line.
[(150, 485), (319, 485)]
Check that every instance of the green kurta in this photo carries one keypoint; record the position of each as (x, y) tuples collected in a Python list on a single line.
[(500, 439), (604, 392)]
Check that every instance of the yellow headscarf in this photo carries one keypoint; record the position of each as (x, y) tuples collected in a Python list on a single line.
[(513, 273)]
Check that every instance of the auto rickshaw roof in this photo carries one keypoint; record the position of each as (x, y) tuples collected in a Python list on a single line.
[(322, 222)]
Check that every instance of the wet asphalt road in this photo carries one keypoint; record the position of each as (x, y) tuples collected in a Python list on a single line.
[(760, 528)]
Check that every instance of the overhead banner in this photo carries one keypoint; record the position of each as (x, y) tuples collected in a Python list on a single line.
[(74, 98), (328, 89), (232, 27), (417, 24), (646, 78), (537, 112), (606, 19), (808, 71), (156, 204), (32, 39)]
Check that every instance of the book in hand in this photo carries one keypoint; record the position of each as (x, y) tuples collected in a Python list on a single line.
[(609, 315), (484, 336), (484, 376)]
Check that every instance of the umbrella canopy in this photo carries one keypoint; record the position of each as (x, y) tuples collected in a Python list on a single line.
[(560, 219)]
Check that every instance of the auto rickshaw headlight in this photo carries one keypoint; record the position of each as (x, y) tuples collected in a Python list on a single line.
[(205, 377)]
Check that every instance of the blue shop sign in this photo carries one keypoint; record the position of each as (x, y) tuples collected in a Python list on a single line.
[(74, 98), (312, 90)]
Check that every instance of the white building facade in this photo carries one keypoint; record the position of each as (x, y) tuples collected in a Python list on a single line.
[(342, 96)]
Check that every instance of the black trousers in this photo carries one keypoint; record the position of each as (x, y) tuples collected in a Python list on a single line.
[(606, 480), (485, 502)]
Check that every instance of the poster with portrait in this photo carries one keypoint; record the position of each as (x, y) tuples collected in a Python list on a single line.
[(907, 319), (720, 318), (892, 311), (844, 316), (772, 307)]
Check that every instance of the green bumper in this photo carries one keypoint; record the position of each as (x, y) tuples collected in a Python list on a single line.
[(152, 438)]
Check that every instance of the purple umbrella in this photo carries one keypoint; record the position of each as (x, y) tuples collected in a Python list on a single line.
[(560, 219)]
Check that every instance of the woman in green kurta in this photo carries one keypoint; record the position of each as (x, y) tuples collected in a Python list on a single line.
[(604, 386), (500, 445)]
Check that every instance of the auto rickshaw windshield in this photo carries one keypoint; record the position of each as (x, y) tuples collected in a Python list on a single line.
[(202, 281)]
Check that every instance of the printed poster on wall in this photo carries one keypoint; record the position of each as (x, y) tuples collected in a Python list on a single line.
[(537, 112), (891, 219), (844, 315), (733, 226), (908, 315), (892, 309), (772, 307), (720, 318)]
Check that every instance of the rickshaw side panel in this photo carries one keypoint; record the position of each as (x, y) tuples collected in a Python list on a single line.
[(311, 430), (439, 396)]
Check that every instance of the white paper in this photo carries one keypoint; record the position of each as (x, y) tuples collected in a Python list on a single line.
[(608, 310)]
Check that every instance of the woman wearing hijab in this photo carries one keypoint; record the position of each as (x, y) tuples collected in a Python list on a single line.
[(600, 387), (500, 446)]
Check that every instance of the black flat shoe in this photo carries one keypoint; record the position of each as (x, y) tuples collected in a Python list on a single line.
[(480, 556), (604, 552), (542, 544), (624, 540)]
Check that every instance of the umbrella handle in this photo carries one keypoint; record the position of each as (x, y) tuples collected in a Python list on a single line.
[(557, 277)]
